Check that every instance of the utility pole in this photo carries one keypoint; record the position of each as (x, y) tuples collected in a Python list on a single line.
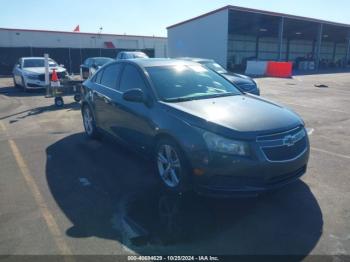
[(99, 37)]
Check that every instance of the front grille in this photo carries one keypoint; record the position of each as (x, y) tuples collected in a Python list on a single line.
[(280, 153), (277, 136), (284, 146), (60, 75)]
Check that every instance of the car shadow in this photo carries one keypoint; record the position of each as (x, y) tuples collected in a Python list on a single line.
[(17, 116), (12, 91), (108, 192)]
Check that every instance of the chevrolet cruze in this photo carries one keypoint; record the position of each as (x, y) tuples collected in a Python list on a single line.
[(200, 131)]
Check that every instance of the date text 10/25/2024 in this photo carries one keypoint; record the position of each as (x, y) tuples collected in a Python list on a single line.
[(173, 258)]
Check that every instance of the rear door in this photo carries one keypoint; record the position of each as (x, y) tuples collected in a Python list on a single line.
[(104, 95), (134, 125)]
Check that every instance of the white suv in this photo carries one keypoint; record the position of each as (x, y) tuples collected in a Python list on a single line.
[(29, 72)]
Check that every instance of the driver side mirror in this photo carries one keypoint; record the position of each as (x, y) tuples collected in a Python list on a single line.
[(134, 95)]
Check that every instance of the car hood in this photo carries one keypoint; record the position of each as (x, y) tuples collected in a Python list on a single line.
[(41, 70), (240, 114)]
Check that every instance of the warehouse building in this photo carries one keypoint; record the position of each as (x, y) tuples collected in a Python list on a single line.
[(233, 35), (71, 48)]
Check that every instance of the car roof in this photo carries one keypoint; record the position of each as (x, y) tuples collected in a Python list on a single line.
[(151, 62), (98, 57), (131, 52), (196, 59), (34, 57)]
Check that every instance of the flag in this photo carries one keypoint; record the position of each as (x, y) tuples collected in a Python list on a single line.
[(77, 29)]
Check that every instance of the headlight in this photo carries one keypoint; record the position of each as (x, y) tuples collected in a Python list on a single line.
[(220, 144)]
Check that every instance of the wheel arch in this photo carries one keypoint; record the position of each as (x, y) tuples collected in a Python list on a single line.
[(166, 135)]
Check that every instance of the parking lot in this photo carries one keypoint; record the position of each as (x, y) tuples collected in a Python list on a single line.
[(61, 193)]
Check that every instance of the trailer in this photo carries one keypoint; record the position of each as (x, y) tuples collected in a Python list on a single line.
[(65, 87)]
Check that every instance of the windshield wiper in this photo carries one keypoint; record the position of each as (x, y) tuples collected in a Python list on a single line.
[(218, 95), (178, 99), (183, 99)]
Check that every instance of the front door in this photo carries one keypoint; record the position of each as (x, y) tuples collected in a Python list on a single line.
[(132, 121)]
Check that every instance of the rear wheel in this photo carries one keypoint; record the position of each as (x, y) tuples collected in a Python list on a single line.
[(89, 122), (171, 166)]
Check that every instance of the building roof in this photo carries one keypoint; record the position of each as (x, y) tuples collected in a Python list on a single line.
[(77, 33), (251, 10)]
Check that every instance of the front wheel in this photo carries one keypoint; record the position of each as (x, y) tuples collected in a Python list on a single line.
[(172, 167), (15, 83), (23, 84)]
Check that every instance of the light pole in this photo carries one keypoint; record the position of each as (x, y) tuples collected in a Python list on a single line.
[(99, 37)]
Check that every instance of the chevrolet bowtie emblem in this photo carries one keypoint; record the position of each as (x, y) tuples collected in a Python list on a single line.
[(289, 140)]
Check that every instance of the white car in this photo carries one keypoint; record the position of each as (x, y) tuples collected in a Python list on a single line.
[(131, 55), (29, 72)]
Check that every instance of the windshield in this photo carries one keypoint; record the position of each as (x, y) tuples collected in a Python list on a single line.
[(189, 82), (34, 63), (102, 61), (38, 63), (216, 67)]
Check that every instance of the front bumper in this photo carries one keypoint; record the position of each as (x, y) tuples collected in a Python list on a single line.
[(34, 84), (227, 175)]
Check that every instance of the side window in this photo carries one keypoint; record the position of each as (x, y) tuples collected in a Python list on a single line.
[(131, 78), (110, 75), (97, 77)]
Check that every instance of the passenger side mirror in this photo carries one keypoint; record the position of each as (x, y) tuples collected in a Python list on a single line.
[(134, 95)]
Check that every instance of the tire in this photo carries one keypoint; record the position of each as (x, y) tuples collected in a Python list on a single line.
[(89, 122), (59, 101), (14, 83), (77, 98), (23, 85), (171, 166)]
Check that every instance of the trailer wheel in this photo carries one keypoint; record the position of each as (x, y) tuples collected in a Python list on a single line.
[(77, 98), (59, 101)]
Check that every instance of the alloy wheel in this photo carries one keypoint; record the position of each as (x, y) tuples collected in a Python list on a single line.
[(169, 166)]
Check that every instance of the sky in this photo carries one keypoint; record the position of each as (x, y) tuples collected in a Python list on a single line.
[(149, 17)]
